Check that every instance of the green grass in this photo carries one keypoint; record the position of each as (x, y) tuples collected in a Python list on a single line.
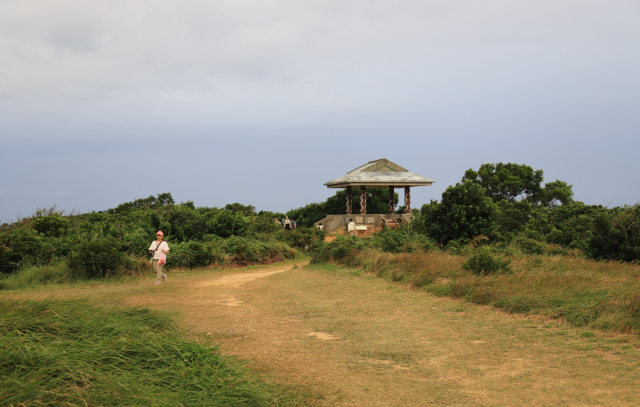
[(36, 276), (55, 352), (58, 273)]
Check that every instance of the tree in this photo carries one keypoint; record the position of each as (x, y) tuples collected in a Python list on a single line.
[(228, 223), (163, 199), (507, 181), (557, 193), (463, 213), (238, 207), (516, 182)]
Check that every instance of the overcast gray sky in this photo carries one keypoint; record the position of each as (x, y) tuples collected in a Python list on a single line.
[(261, 102)]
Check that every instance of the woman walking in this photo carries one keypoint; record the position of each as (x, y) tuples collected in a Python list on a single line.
[(157, 248)]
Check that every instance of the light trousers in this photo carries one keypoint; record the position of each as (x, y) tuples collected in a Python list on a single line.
[(157, 268)]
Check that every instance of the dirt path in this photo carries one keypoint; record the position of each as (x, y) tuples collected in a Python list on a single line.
[(360, 341)]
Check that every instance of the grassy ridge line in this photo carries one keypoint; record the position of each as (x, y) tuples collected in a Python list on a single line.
[(57, 352), (600, 295)]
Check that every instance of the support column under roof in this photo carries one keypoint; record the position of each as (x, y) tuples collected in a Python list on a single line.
[(392, 201), (363, 199), (407, 199)]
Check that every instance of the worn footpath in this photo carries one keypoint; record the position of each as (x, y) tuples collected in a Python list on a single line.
[(352, 340)]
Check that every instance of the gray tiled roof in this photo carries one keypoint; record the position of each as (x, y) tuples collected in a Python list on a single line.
[(380, 173)]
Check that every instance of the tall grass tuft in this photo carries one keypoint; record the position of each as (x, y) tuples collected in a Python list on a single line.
[(57, 352)]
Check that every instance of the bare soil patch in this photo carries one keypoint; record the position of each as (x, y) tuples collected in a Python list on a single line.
[(323, 336), (237, 279)]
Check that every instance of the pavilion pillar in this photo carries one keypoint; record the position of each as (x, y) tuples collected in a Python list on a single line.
[(407, 199), (349, 200), (392, 201), (363, 199)]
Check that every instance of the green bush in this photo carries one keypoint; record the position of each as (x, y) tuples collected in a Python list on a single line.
[(530, 246), (52, 225), (190, 254), (303, 237), (246, 250), (137, 242), (339, 252), (484, 263), (8, 260), (464, 213), (26, 243), (320, 251), (98, 258), (228, 223)]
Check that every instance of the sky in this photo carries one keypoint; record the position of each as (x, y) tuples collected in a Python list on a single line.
[(263, 101)]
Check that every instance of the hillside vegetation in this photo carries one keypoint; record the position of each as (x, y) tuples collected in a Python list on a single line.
[(53, 247)]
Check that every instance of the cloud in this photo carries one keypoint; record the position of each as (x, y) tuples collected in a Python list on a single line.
[(446, 85), (91, 50)]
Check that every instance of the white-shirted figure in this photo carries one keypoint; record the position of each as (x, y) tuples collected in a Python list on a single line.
[(351, 228), (158, 248)]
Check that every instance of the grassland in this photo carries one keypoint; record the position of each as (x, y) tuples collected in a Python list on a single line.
[(334, 335), (602, 295)]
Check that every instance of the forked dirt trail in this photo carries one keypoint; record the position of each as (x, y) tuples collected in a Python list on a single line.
[(360, 341)]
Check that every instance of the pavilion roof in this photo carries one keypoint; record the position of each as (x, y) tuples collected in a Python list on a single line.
[(378, 174)]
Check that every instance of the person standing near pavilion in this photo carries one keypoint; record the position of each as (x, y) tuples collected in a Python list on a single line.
[(351, 228)]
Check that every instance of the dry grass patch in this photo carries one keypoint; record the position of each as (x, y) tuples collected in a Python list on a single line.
[(598, 295)]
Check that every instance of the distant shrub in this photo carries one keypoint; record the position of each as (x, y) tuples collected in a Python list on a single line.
[(98, 258), (393, 241), (484, 263), (190, 254), (457, 247), (51, 225), (320, 251), (26, 242), (28, 248), (137, 242), (8, 260), (228, 223), (530, 246), (425, 243), (339, 252), (263, 224), (303, 237), (246, 250)]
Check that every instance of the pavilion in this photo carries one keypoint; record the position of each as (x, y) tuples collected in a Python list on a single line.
[(375, 174)]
